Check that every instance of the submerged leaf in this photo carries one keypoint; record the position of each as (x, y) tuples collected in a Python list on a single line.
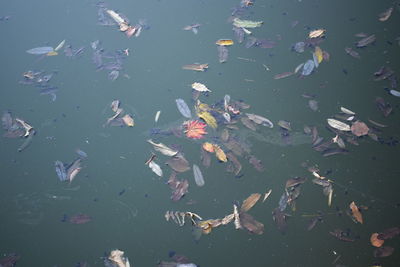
[(198, 176), (183, 108), (178, 163)]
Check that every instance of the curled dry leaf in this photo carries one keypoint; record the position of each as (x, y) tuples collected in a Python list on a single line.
[(375, 241)]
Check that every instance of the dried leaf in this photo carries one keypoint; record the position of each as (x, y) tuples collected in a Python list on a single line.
[(338, 125), (195, 129), (251, 224), (347, 111), (375, 241), (249, 202), (163, 149), (356, 212), (155, 168), (220, 154), (236, 217), (267, 195), (224, 42), (200, 87), (208, 147), (178, 163)]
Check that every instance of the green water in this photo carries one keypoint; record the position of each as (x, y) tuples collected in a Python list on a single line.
[(33, 201)]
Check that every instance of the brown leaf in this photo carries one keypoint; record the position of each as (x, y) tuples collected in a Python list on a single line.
[(356, 212), (249, 202)]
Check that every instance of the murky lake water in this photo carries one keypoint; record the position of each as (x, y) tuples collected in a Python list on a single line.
[(127, 201)]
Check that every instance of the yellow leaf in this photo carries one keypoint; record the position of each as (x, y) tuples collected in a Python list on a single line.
[(200, 107), (208, 118), (224, 42), (220, 154), (208, 147), (52, 53), (318, 53)]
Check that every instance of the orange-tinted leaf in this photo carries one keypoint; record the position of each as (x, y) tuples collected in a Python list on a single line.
[(224, 42), (356, 212), (195, 129), (208, 147), (220, 154), (375, 241)]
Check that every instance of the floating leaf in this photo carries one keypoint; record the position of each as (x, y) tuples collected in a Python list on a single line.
[(163, 149), (220, 154), (267, 194), (178, 163), (359, 128), (385, 15), (375, 241), (260, 120), (200, 87), (155, 168), (318, 54), (316, 33), (208, 118), (338, 125), (208, 147), (356, 212), (246, 23), (157, 116), (40, 50), (60, 45), (249, 202), (224, 42), (347, 111), (195, 129), (117, 258), (236, 217), (251, 224), (128, 120)]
